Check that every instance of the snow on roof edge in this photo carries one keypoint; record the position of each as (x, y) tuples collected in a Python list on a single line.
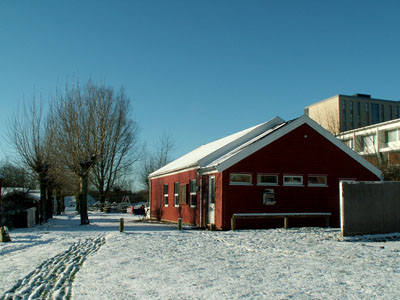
[(211, 151)]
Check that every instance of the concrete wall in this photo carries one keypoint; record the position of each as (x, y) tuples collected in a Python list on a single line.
[(369, 207)]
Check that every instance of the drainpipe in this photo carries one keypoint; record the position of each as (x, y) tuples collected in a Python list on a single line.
[(201, 199), (149, 197)]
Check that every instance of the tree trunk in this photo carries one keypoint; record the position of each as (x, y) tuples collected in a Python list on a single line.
[(83, 200), (49, 205), (42, 204)]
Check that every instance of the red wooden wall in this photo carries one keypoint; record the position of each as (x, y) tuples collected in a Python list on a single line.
[(301, 152), (188, 214)]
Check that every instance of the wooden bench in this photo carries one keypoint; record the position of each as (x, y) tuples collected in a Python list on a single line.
[(285, 217)]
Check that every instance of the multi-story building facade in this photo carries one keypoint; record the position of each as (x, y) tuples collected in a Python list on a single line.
[(378, 143), (341, 113)]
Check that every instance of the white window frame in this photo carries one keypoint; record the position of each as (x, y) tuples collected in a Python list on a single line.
[(293, 183), (176, 194), (165, 197), (267, 183), (240, 183), (317, 184), (192, 193)]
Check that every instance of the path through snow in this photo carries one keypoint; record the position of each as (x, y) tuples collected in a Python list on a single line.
[(53, 278)]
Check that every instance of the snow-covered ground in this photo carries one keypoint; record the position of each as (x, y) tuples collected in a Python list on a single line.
[(63, 260)]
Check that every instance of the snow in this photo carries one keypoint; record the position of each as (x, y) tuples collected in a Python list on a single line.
[(64, 260), (282, 214), (207, 153)]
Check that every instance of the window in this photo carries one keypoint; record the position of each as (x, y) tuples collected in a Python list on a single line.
[(358, 114), (382, 113), (211, 191), (165, 194), (368, 142), (176, 194), (240, 179), (397, 112), (367, 113), (293, 180), (375, 113), (344, 114), (351, 115), (390, 136), (193, 193), (317, 180), (266, 179)]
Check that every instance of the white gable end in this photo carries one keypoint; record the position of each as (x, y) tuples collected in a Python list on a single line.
[(263, 140)]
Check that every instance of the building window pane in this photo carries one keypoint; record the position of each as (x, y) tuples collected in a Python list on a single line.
[(375, 113), (240, 179), (317, 180), (358, 114), (165, 194), (292, 180), (193, 193), (176, 194), (264, 179), (368, 142), (344, 115), (367, 113), (212, 190), (351, 115), (390, 136)]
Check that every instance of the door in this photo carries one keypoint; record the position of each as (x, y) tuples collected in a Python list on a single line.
[(211, 200)]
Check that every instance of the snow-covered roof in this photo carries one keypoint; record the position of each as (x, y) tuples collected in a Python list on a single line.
[(226, 152), (207, 153)]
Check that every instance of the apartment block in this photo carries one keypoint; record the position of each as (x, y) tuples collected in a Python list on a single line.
[(341, 113), (379, 143)]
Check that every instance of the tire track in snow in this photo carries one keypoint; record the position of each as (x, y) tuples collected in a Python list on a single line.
[(53, 278)]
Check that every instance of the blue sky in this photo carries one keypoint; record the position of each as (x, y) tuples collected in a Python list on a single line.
[(200, 70)]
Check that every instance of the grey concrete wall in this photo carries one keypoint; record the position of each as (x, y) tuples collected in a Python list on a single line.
[(369, 207)]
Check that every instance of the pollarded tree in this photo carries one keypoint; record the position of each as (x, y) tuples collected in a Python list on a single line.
[(95, 133), (30, 135)]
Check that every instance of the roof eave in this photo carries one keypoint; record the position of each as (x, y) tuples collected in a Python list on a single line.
[(173, 171)]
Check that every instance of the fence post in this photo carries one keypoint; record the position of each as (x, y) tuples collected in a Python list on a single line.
[(121, 225), (179, 223), (233, 223), (285, 222)]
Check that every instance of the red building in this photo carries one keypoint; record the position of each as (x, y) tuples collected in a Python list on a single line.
[(274, 167), (1, 179)]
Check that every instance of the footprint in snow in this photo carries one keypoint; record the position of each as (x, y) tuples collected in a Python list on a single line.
[(53, 278)]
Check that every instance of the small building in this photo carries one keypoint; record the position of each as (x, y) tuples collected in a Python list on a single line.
[(274, 167), (16, 204)]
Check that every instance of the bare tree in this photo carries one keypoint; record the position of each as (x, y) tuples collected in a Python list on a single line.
[(17, 176), (94, 122), (156, 159), (30, 135)]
